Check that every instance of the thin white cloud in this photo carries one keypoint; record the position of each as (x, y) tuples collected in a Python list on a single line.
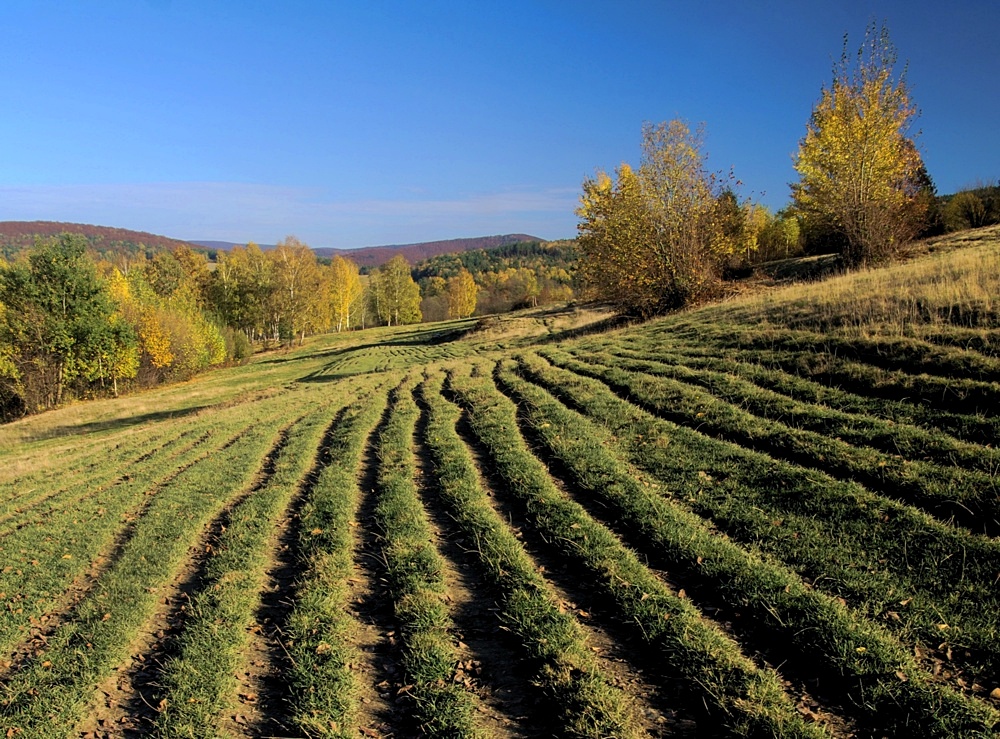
[(265, 213)]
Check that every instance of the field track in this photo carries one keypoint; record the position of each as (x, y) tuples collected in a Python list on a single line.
[(685, 528)]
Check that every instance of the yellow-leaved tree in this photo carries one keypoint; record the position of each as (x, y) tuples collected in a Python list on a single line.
[(462, 294), (345, 290), (657, 238), (861, 177)]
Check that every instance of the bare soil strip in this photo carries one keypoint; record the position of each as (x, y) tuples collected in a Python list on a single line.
[(622, 656), (755, 643), (488, 653), (381, 712), (264, 697), (129, 701)]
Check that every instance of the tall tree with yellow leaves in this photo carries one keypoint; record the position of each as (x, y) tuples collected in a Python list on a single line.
[(345, 290), (860, 173), (462, 293)]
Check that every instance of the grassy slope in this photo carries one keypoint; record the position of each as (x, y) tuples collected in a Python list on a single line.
[(899, 366)]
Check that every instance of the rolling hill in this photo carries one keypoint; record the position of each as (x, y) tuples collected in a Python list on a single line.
[(372, 256), (16, 236)]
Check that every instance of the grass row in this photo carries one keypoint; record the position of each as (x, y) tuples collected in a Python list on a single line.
[(321, 631), (858, 429), (856, 660), (894, 564), (894, 380), (415, 574), (797, 377), (48, 695), (948, 492), (199, 681), (902, 353), (54, 487), (44, 557), (583, 701), (709, 664)]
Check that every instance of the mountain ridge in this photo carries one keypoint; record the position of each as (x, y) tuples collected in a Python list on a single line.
[(16, 236)]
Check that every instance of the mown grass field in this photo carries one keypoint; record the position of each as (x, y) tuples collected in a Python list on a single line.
[(774, 516)]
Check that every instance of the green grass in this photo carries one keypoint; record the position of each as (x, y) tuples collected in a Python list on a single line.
[(855, 659), (890, 562), (949, 492), (582, 701), (199, 683), (47, 696), (749, 700), (322, 684), (415, 574)]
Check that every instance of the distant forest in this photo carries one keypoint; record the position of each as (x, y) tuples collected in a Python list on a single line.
[(509, 277)]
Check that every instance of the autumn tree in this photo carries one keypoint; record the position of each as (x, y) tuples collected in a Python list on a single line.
[(860, 173), (394, 295), (345, 291), (654, 239), (462, 292), (58, 318)]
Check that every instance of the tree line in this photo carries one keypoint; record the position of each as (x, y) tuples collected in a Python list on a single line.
[(76, 325), (664, 234)]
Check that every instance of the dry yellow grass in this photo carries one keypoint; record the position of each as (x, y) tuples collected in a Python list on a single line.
[(955, 282)]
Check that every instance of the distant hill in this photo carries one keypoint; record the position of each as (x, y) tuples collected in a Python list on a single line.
[(372, 256), (18, 235)]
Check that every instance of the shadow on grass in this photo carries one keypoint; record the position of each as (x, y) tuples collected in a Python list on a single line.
[(424, 337), (116, 424)]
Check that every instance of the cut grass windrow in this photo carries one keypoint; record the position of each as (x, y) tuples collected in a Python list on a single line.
[(793, 375), (415, 574), (322, 685), (199, 682), (817, 634), (46, 490), (858, 429), (750, 701), (40, 568), (46, 697), (583, 702), (818, 359), (934, 583), (889, 352), (970, 497)]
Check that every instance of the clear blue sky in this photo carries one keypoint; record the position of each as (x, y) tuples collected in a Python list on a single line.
[(375, 122)]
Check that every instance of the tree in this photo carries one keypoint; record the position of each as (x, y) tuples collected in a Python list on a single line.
[(395, 296), (860, 173), (654, 238), (462, 292), (296, 295), (58, 317), (345, 290)]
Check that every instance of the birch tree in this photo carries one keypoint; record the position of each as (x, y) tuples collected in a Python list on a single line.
[(860, 173)]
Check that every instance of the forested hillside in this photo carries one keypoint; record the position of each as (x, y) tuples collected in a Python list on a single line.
[(509, 277)]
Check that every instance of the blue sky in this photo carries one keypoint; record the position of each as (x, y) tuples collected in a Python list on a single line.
[(374, 122)]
